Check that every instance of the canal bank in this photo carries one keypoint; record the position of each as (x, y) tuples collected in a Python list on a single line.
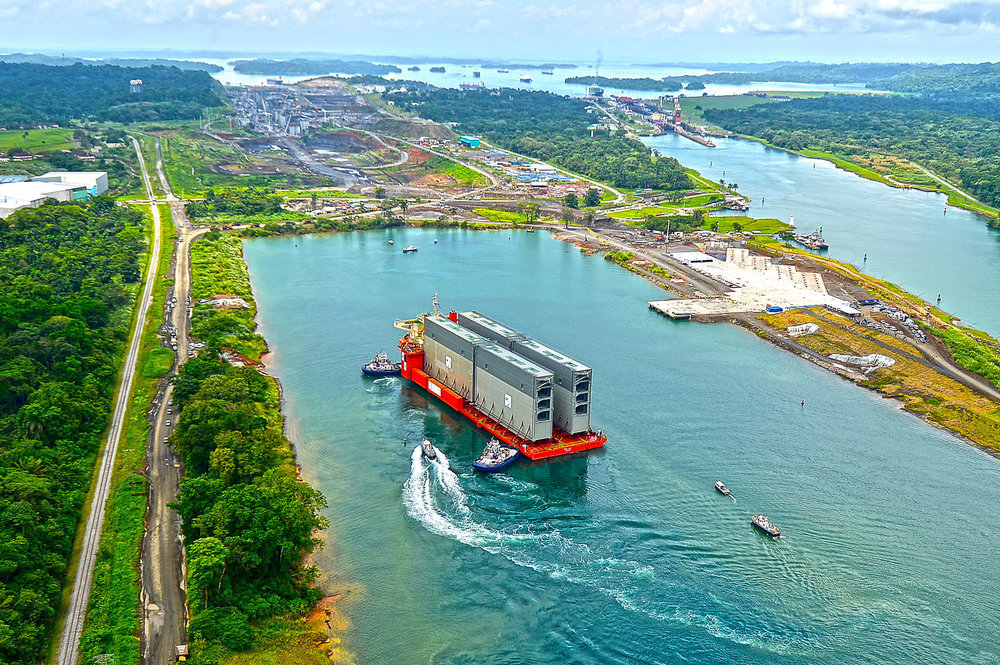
[(901, 236), (628, 551)]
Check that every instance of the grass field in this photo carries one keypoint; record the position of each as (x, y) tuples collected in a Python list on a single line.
[(462, 175), (112, 624), (37, 140), (504, 216), (641, 213), (764, 225)]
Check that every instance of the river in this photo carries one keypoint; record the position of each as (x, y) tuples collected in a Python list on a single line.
[(906, 234), (625, 555)]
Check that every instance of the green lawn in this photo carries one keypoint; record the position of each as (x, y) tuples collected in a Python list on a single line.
[(641, 213), (37, 140), (764, 225), (500, 215), (462, 175)]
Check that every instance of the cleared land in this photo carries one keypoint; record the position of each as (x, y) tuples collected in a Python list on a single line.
[(36, 140)]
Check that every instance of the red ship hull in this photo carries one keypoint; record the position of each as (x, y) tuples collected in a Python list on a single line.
[(561, 443)]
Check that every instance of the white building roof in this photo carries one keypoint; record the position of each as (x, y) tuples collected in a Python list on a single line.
[(24, 193), (88, 178)]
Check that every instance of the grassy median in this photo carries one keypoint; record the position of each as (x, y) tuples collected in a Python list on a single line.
[(113, 615)]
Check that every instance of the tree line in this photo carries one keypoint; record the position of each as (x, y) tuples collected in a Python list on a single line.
[(68, 276), (247, 201), (956, 139), (249, 522), (35, 94), (551, 128)]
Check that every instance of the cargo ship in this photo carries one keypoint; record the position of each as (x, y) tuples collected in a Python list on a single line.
[(527, 395)]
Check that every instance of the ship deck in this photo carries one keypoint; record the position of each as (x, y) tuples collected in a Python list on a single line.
[(561, 443)]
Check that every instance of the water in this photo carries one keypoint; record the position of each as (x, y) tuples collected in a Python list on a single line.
[(555, 83), (908, 237), (628, 554)]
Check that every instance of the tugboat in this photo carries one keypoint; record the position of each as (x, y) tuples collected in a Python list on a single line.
[(765, 525), (721, 486), (380, 365), (496, 457), (430, 452), (411, 248)]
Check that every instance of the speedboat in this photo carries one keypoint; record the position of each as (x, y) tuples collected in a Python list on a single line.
[(391, 241), (430, 452), (380, 365), (721, 486), (496, 457), (411, 248), (435, 241), (765, 525)]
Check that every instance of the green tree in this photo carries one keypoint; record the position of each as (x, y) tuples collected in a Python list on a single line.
[(566, 215), (206, 568), (530, 209), (571, 200), (592, 198), (380, 192)]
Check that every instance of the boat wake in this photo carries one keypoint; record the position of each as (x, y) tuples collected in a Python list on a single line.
[(434, 497)]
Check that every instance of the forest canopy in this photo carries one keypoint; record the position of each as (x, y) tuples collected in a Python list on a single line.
[(34, 94), (68, 274), (551, 128)]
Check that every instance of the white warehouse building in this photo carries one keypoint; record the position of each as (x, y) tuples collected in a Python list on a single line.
[(58, 185)]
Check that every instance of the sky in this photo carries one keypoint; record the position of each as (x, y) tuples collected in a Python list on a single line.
[(535, 30)]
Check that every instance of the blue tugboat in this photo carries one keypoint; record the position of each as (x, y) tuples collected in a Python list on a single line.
[(765, 525), (496, 457), (380, 365)]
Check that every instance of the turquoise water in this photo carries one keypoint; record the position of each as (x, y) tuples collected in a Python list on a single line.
[(906, 234), (625, 555)]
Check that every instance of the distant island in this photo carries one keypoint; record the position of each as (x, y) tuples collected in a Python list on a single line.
[(437, 70), (40, 59), (648, 84), (303, 67)]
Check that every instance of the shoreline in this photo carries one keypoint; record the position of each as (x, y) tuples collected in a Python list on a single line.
[(966, 203), (904, 393)]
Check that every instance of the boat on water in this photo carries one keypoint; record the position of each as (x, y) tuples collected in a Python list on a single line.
[(764, 524), (430, 452), (550, 73), (435, 241), (721, 486), (380, 365), (496, 457), (409, 248), (525, 79), (391, 241), (813, 241), (503, 71), (476, 75)]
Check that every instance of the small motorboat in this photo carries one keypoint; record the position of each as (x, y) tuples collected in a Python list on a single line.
[(765, 525), (380, 365), (496, 457), (721, 486), (391, 241), (430, 452), (411, 248), (435, 241)]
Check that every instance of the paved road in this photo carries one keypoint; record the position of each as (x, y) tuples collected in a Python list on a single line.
[(69, 643), (163, 578)]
